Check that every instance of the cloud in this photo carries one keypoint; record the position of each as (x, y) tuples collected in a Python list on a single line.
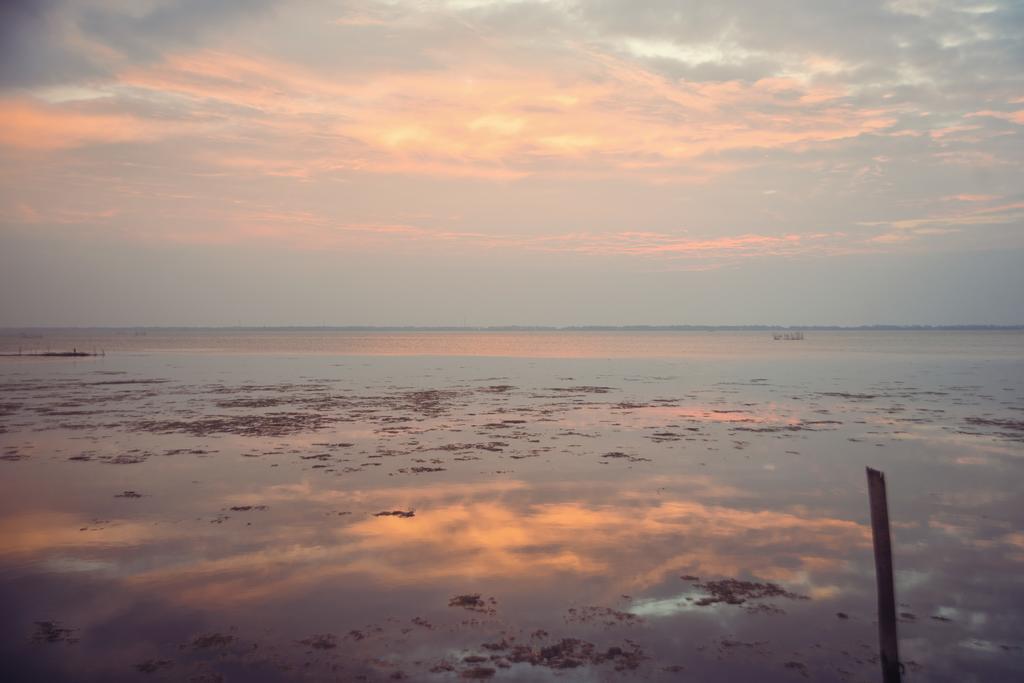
[(464, 534), (37, 46), (1014, 116), (56, 42), (662, 135), (143, 33), (501, 121), (34, 125)]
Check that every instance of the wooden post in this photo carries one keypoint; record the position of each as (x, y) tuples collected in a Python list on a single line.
[(888, 646)]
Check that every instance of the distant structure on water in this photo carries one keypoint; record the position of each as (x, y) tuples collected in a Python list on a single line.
[(789, 336), (73, 353)]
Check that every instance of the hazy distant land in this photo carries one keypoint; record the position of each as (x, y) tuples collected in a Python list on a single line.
[(518, 328)]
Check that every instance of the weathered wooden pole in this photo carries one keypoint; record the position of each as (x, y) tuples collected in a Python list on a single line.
[(888, 645)]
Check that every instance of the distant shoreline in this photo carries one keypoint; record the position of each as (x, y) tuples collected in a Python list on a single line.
[(13, 331)]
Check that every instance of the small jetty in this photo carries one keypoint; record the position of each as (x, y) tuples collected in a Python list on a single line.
[(73, 353), (789, 336)]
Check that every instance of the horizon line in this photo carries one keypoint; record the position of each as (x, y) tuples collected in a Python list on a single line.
[(564, 328)]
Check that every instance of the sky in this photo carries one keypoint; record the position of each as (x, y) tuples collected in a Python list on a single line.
[(497, 162)]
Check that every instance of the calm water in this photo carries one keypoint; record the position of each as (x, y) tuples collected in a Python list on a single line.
[(585, 506), (540, 344)]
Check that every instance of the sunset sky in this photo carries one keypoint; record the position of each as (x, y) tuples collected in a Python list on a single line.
[(487, 162)]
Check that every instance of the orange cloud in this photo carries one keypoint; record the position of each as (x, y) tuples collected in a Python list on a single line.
[(949, 221), (307, 230), (472, 535), (27, 214), (1012, 116), (972, 197), (28, 124), (493, 120), (32, 533)]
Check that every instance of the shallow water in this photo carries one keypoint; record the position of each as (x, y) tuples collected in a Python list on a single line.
[(201, 506)]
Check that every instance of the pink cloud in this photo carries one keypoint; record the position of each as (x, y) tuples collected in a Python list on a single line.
[(591, 113), (1013, 116), (33, 125), (971, 198)]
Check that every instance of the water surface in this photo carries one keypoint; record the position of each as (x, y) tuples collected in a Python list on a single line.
[(584, 506)]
